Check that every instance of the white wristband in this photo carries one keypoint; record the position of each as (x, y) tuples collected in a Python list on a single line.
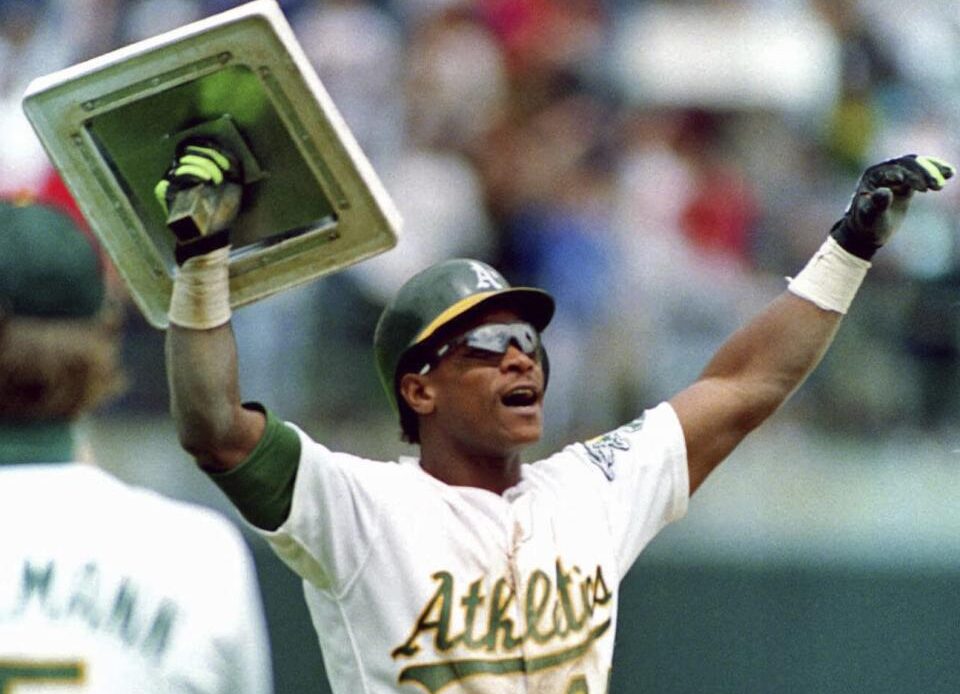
[(831, 278), (201, 291)]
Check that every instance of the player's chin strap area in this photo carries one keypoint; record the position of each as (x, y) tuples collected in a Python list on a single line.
[(831, 278)]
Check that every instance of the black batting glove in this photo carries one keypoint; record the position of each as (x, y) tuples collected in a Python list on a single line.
[(880, 202), (211, 169)]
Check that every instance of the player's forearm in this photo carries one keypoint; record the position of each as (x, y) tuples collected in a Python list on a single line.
[(767, 360), (205, 399), (201, 350), (751, 376)]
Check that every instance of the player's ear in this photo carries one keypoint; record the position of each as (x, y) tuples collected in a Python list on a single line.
[(418, 393)]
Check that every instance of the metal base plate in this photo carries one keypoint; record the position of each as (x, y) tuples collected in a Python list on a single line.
[(312, 203)]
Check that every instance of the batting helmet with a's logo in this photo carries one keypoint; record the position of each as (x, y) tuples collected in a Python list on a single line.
[(434, 298)]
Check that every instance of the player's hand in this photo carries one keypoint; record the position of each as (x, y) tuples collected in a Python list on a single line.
[(210, 173), (880, 202)]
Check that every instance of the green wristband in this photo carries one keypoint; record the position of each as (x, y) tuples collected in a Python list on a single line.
[(261, 487)]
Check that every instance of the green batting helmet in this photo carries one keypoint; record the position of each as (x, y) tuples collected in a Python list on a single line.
[(436, 296)]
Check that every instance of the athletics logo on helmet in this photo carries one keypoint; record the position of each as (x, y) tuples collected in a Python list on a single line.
[(436, 296), (486, 279)]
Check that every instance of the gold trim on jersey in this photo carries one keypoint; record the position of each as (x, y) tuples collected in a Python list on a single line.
[(435, 676), (38, 672)]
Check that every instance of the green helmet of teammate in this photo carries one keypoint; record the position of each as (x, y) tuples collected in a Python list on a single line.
[(438, 295), (48, 268)]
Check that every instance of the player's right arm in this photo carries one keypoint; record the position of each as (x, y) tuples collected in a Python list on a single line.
[(201, 353), (212, 425)]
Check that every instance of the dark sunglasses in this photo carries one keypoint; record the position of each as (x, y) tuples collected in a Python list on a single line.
[(490, 341)]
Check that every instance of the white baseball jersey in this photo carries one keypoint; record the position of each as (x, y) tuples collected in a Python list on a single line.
[(414, 585), (105, 588)]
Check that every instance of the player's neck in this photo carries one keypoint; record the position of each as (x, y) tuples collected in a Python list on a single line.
[(495, 473)]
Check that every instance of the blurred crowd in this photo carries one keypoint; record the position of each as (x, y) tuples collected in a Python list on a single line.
[(660, 167)]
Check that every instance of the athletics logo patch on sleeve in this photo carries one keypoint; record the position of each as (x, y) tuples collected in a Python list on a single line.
[(603, 449)]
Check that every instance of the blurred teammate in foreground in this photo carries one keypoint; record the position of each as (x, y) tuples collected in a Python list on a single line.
[(465, 570), (104, 588)]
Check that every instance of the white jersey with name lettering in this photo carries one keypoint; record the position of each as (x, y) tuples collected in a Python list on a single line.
[(414, 585), (106, 588)]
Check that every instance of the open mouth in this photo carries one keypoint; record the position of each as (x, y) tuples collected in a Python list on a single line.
[(521, 396)]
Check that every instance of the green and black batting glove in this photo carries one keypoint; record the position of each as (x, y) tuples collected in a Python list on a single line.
[(880, 202), (202, 165)]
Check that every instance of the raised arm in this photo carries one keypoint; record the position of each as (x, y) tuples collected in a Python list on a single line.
[(762, 364), (204, 397), (201, 353), (751, 375)]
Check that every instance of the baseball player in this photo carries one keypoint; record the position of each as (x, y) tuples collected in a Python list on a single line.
[(463, 570), (104, 588)]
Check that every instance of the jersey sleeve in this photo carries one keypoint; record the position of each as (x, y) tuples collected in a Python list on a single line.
[(318, 509), (645, 479), (261, 487)]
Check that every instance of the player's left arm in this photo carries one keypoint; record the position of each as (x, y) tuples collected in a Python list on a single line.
[(763, 363)]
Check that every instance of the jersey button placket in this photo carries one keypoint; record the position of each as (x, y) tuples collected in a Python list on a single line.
[(521, 531)]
